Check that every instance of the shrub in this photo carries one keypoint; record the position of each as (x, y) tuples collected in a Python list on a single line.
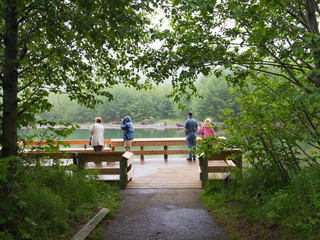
[(41, 203), (293, 206)]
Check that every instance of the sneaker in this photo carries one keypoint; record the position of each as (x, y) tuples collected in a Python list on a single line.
[(194, 159), (189, 159)]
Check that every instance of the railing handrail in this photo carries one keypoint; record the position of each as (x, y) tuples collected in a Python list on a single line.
[(137, 142), (70, 142)]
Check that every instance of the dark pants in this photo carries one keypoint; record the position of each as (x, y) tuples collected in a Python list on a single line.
[(191, 140), (97, 148)]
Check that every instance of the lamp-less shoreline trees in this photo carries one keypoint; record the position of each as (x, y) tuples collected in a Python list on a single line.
[(80, 48), (273, 51), (84, 49)]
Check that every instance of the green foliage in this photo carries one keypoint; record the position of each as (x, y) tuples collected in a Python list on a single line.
[(291, 206), (69, 47), (42, 203), (272, 133), (43, 213), (215, 99), (140, 105), (151, 104), (270, 52)]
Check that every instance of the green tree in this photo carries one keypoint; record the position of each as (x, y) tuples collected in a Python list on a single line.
[(82, 48), (216, 97), (140, 105), (260, 41)]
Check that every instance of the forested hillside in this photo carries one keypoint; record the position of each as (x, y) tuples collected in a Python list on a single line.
[(152, 104)]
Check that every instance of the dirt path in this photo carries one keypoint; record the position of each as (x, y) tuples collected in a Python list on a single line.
[(163, 214)]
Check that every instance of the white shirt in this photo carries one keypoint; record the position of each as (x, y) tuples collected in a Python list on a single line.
[(96, 132)]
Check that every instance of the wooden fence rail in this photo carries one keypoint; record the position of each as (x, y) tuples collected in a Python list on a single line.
[(218, 164), (215, 164), (85, 143), (124, 169), (153, 142)]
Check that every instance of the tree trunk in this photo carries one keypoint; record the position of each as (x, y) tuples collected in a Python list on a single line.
[(313, 28), (10, 83)]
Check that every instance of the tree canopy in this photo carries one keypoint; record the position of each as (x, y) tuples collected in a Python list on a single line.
[(272, 51), (83, 48), (145, 105), (86, 48)]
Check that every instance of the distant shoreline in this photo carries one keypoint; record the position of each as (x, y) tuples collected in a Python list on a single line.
[(117, 126), (136, 126)]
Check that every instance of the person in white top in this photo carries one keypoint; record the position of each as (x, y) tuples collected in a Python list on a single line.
[(97, 132)]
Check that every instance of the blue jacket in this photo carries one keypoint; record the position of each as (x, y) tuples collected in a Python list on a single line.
[(127, 128)]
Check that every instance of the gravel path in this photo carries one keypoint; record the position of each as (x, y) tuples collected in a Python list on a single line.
[(163, 214)]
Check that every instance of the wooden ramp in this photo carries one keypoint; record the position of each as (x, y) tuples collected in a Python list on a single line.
[(157, 173)]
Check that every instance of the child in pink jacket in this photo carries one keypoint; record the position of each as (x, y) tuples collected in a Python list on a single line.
[(206, 129)]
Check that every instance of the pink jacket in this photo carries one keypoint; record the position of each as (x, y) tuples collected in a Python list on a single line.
[(206, 131)]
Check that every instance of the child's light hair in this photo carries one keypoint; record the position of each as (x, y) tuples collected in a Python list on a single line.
[(207, 121)]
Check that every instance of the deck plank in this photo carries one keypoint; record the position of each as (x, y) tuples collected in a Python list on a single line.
[(155, 173)]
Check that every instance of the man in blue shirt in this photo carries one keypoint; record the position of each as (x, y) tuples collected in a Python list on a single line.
[(190, 129)]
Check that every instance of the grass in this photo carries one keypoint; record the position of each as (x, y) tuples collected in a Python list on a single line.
[(235, 222), (228, 214), (50, 203), (251, 209)]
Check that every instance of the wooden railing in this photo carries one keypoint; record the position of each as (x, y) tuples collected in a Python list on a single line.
[(153, 142), (219, 163), (85, 143), (121, 162), (215, 164), (124, 169)]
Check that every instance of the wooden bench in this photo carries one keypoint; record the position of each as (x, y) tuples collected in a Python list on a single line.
[(218, 164), (117, 163)]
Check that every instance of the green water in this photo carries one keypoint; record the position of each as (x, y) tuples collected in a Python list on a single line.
[(83, 134)]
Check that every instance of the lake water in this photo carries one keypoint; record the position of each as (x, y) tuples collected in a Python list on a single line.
[(138, 133), (83, 134)]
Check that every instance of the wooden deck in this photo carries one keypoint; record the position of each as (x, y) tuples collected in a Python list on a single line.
[(149, 169), (175, 173)]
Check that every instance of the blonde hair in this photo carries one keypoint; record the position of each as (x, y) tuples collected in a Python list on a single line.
[(98, 120), (207, 121)]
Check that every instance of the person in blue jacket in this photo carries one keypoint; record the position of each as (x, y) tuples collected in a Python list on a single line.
[(127, 127)]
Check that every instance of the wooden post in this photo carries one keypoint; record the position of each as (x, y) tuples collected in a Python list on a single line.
[(123, 173), (204, 170), (75, 159), (141, 156), (85, 146), (226, 179), (81, 160), (238, 162), (166, 155)]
